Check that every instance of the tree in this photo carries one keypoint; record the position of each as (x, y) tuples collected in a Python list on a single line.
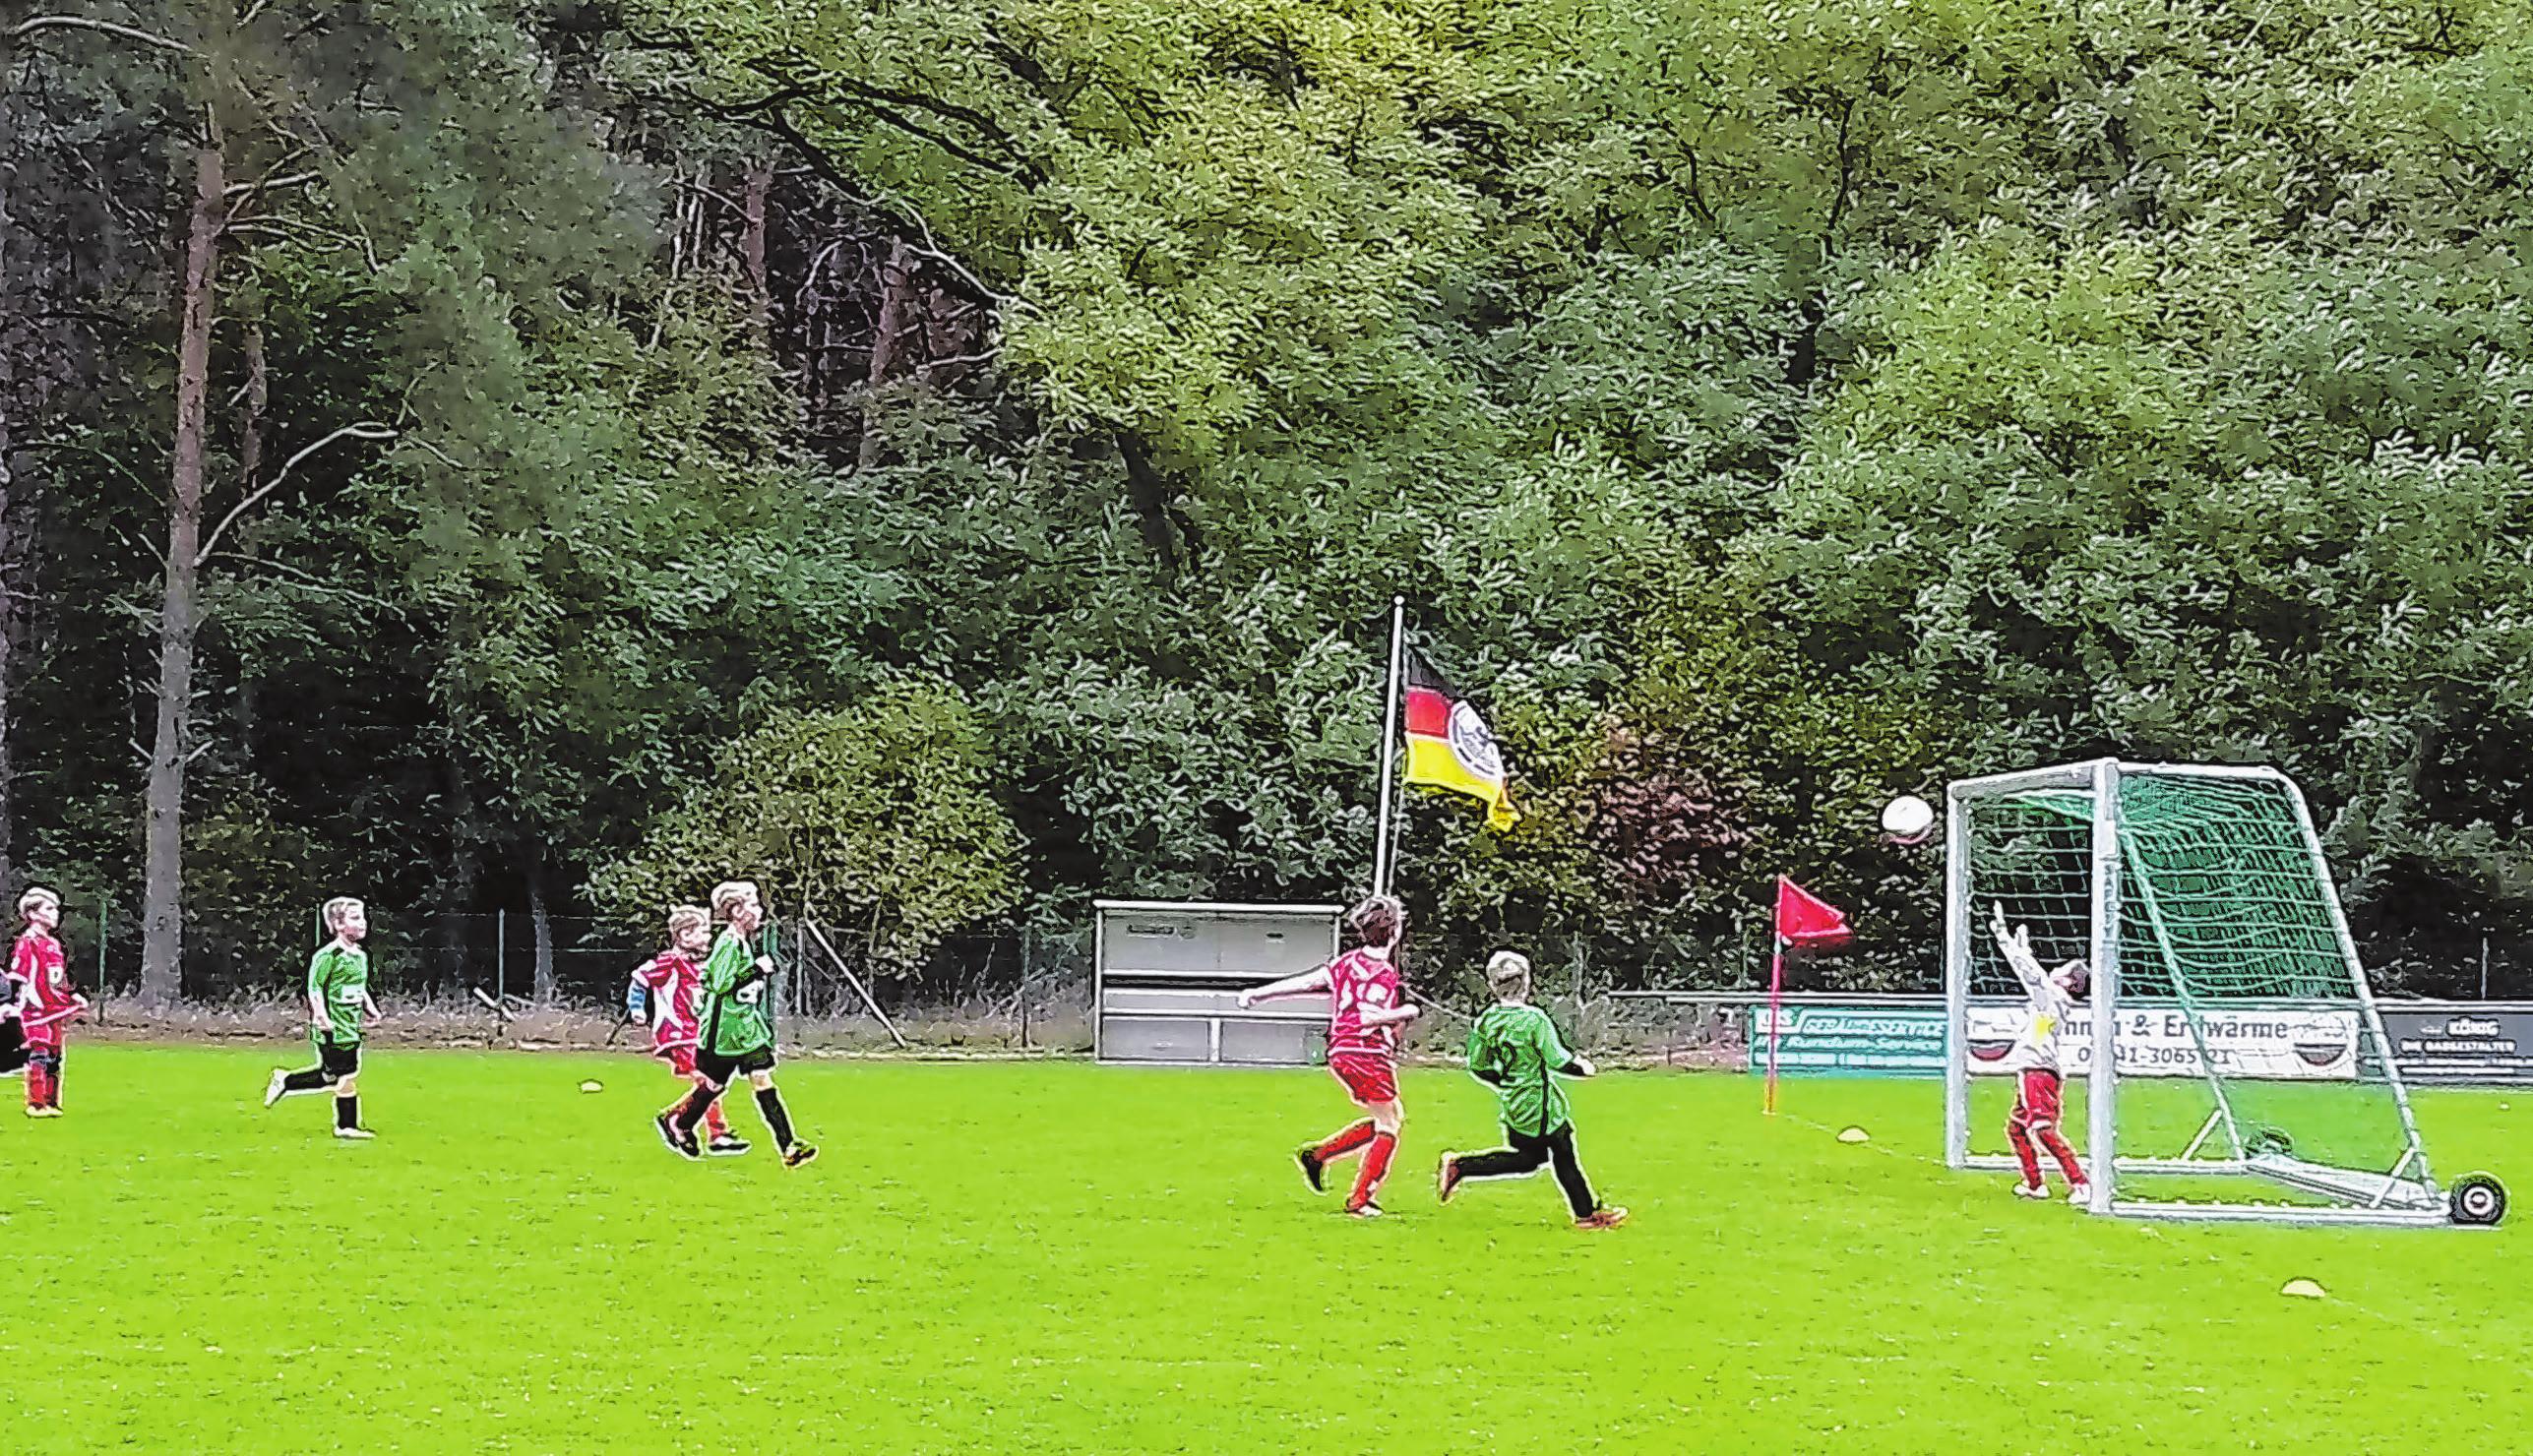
[(878, 818)]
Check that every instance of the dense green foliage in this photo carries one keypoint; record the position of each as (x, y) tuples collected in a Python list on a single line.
[(1766, 408), (1076, 1260)]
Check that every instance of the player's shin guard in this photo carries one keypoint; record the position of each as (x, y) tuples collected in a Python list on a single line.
[(347, 1111), (715, 1124), (306, 1081), (2049, 1137), (2023, 1142), (1500, 1162), (1569, 1175), (1343, 1141), (778, 1120), (691, 1110), (1375, 1167)]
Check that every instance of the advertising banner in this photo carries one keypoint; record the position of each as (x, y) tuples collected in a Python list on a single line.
[(2303, 1044), (2451, 1046)]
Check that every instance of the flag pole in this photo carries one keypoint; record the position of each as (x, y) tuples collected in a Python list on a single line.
[(1776, 994), (1388, 745)]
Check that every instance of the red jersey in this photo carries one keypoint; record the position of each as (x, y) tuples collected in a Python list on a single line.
[(1359, 982), (673, 979), (49, 1003)]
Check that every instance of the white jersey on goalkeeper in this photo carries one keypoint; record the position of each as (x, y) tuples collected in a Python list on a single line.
[(2036, 1047)]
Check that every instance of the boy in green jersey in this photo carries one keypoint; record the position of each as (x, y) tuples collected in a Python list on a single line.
[(337, 1000), (736, 1034), (1514, 1048)]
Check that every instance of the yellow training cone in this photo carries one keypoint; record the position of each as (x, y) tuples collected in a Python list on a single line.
[(1854, 1135), (2302, 1289)]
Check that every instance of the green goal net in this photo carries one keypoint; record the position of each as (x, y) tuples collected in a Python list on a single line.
[(2249, 1071)]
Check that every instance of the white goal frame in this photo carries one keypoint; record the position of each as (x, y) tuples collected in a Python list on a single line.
[(2405, 1194)]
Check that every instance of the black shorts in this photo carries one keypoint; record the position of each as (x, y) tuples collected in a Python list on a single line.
[(718, 1069), (338, 1060), (13, 1044)]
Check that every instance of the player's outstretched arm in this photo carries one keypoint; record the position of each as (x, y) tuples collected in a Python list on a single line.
[(1301, 985), (2015, 944)]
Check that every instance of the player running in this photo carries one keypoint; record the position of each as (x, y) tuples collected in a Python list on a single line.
[(47, 1006), (736, 1035), (673, 978), (2034, 1061), (337, 1000), (1514, 1048), (1365, 1013)]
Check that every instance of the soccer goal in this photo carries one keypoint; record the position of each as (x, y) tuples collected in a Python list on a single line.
[(2230, 1063)]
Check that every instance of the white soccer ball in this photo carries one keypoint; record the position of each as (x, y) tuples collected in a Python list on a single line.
[(1909, 819)]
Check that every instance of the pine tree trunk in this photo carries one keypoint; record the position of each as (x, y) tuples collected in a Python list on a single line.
[(10, 308), (752, 253), (897, 281), (543, 924), (163, 882)]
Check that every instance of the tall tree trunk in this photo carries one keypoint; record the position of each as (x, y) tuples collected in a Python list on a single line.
[(543, 924), (162, 882), (897, 281), (11, 307), (752, 253)]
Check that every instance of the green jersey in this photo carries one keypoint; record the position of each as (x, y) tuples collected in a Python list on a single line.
[(339, 981), (1515, 1050), (735, 1023)]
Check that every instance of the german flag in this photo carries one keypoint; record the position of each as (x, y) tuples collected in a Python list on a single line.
[(1449, 746)]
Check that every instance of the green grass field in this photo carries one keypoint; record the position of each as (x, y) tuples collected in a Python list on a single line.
[(1058, 1257)]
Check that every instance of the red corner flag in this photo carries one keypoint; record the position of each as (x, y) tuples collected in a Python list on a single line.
[(1805, 919), (1801, 919)]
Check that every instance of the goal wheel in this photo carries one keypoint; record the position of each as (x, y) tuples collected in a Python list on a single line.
[(2269, 1141), (2477, 1199)]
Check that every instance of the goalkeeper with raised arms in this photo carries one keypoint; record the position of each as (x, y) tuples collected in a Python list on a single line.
[(2034, 1060), (1514, 1048)]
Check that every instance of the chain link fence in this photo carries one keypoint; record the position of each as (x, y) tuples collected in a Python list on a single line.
[(563, 978)]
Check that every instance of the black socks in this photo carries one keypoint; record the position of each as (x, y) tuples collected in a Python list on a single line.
[(769, 1103)]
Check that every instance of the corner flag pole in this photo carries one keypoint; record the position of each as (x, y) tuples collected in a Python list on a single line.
[(1775, 994), (1388, 745)]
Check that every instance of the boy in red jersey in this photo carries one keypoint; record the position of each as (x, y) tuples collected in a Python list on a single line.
[(673, 977), (2034, 1060), (1365, 1011), (49, 1004)]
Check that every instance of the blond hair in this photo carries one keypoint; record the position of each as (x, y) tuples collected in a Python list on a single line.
[(37, 895), (731, 892), (1507, 975), (339, 909), (683, 917)]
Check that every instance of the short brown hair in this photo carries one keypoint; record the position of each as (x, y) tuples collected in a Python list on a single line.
[(1377, 920), (35, 895), (339, 907), (683, 916), (731, 892)]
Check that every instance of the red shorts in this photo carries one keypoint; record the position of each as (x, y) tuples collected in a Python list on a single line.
[(1368, 1076), (2036, 1106), (680, 1059)]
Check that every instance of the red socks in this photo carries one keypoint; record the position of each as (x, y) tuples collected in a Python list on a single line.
[(1343, 1142), (2024, 1150), (1375, 1167), (2058, 1149)]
